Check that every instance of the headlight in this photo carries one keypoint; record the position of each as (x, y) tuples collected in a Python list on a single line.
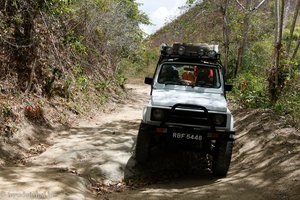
[(169, 50), (201, 52), (163, 46), (211, 53), (157, 114), (181, 50), (219, 120)]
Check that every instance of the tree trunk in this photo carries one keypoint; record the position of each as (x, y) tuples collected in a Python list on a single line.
[(248, 11), (293, 26), (25, 56), (243, 42), (225, 36), (286, 13), (275, 84)]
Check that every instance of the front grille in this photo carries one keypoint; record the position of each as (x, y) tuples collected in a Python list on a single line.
[(189, 118)]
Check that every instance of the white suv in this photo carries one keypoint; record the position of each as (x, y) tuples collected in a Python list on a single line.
[(188, 108)]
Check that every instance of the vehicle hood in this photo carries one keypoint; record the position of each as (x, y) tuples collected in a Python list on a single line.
[(168, 98)]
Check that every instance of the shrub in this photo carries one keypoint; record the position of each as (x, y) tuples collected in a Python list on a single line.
[(288, 102), (250, 90)]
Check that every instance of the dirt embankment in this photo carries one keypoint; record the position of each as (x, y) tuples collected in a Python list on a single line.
[(96, 157)]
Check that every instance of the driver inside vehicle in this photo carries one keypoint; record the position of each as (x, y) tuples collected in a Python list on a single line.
[(169, 74)]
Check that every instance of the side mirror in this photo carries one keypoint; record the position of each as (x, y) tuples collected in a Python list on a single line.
[(228, 87), (148, 80)]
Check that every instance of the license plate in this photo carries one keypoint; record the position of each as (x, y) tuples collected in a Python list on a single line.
[(186, 136)]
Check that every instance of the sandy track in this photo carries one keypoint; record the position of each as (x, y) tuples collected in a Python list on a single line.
[(265, 165)]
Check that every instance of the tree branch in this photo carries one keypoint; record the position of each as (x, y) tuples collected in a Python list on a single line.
[(5, 5), (286, 13), (53, 44), (32, 74), (251, 9), (293, 26), (296, 48), (258, 5), (243, 8), (281, 20), (15, 45), (277, 16)]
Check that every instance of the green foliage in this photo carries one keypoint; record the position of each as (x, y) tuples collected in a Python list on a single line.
[(109, 32), (86, 42), (191, 3), (121, 79), (250, 90), (48, 87), (58, 7), (18, 19), (6, 110), (77, 70), (250, 87), (82, 82), (137, 65), (257, 58), (134, 13), (75, 42), (102, 85), (288, 102)]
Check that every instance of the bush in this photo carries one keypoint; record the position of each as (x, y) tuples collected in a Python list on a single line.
[(141, 65), (250, 90), (288, 102)]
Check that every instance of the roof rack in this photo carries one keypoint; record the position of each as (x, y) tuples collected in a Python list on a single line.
[(194, 51)]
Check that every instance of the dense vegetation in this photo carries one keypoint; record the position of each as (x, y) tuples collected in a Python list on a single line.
[(262, 65), (78, 54), (62, 57)]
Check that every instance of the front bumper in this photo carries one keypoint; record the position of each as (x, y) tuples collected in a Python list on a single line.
[(185, 137)]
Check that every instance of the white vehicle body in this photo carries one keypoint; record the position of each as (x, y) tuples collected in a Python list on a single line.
[(166, 96), (187, 110)]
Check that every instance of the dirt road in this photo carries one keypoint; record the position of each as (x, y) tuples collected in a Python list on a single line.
[(99, 152)]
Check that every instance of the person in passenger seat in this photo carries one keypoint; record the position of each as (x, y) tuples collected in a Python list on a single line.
[(188, 77), (204, 77)]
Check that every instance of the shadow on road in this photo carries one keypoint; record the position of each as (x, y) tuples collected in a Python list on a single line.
[(165, 168)]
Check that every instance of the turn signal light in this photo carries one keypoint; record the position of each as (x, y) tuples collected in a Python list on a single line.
[(161, 130), (213, 135)]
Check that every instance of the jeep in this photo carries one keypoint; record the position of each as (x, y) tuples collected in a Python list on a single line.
[(188, 109)]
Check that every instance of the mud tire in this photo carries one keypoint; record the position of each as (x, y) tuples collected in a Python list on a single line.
[(143, 142), (222, 158)]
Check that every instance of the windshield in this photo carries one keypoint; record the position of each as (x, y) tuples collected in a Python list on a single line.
[(193, 75)]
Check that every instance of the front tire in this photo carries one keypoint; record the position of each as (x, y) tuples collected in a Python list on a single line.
[(222, 158), (143, 141)]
